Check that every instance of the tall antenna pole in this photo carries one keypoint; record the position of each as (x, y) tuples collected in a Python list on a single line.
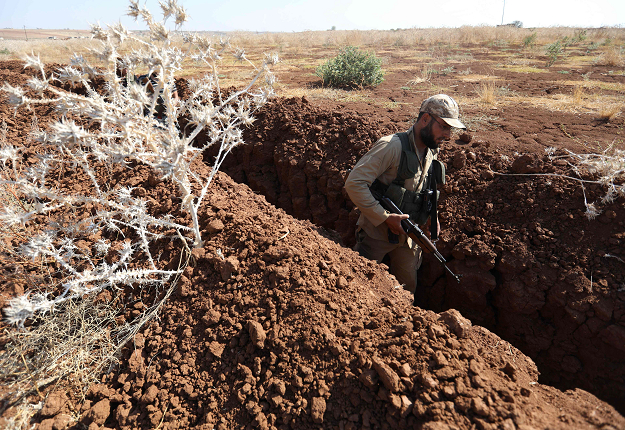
[(503, 11), (25, 33)]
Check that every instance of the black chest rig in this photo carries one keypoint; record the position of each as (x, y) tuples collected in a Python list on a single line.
[(420, 206)]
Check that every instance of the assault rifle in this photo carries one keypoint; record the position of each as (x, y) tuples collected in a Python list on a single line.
[(416, 234)]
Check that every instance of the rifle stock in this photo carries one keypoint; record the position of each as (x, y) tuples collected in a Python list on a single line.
[(416, 234)]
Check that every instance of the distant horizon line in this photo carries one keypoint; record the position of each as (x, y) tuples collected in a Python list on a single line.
[(617, 26)]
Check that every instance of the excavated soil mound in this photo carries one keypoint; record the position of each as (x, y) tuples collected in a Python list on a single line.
[(276, 325), (536, 270)]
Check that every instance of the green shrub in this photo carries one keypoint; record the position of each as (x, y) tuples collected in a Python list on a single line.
[(580, 36), (554, 51), (351, 68), (529, 41), (592, 46)]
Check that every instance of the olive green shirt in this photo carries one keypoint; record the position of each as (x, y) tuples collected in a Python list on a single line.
[(382, 162)]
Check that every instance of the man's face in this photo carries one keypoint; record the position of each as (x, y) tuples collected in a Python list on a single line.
[(436, 132)]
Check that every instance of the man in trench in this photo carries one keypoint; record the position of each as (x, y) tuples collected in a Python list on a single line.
[(379, 233)]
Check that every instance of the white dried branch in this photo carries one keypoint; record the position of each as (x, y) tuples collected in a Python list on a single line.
[(114, 127)]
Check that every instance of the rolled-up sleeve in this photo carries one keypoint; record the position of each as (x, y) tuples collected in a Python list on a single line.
[(380, 162)]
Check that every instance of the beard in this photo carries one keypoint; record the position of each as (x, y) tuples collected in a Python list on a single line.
[(427, 137)]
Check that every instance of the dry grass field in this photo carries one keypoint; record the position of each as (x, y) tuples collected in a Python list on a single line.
[(484, 58), (428, 51)]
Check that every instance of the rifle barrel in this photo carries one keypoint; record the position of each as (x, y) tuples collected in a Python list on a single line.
[(417, 235)]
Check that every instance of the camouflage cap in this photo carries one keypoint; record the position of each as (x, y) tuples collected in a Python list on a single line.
[(443, 107)]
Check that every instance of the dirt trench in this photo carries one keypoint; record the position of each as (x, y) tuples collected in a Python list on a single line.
[(535, 270)]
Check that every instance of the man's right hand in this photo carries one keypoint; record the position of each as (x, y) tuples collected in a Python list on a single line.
[(394, 223)]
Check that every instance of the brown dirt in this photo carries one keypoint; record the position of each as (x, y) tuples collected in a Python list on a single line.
[(291, 329)]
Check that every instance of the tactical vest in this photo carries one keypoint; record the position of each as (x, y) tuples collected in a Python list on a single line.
[(420, 206)]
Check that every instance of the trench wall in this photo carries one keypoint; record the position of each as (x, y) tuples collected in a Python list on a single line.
[(535, 270)]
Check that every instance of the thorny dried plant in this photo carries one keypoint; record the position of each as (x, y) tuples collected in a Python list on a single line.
[(578, 95), (426, 73), (126, 130), (608, 166), (81, 340), (77, 342), (100, 132)]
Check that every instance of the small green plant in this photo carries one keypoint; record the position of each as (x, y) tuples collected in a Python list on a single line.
[(530, 40), (592, 46), (447, 70), (351, 68), (580, 36), (505, 91), (5, 51), (554, 51)]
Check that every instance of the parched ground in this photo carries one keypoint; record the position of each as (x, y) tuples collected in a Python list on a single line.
[(277, 323)]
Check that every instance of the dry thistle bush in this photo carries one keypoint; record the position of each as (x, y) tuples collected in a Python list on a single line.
[(608, 167), (128, 123), (426, 73)]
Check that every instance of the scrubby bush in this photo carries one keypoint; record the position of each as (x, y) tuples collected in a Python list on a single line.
[(352, 68), (529, 41), (554, 51), (612, 57), (557, 49)]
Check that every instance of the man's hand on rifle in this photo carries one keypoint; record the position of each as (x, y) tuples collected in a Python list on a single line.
[(394, 222)]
